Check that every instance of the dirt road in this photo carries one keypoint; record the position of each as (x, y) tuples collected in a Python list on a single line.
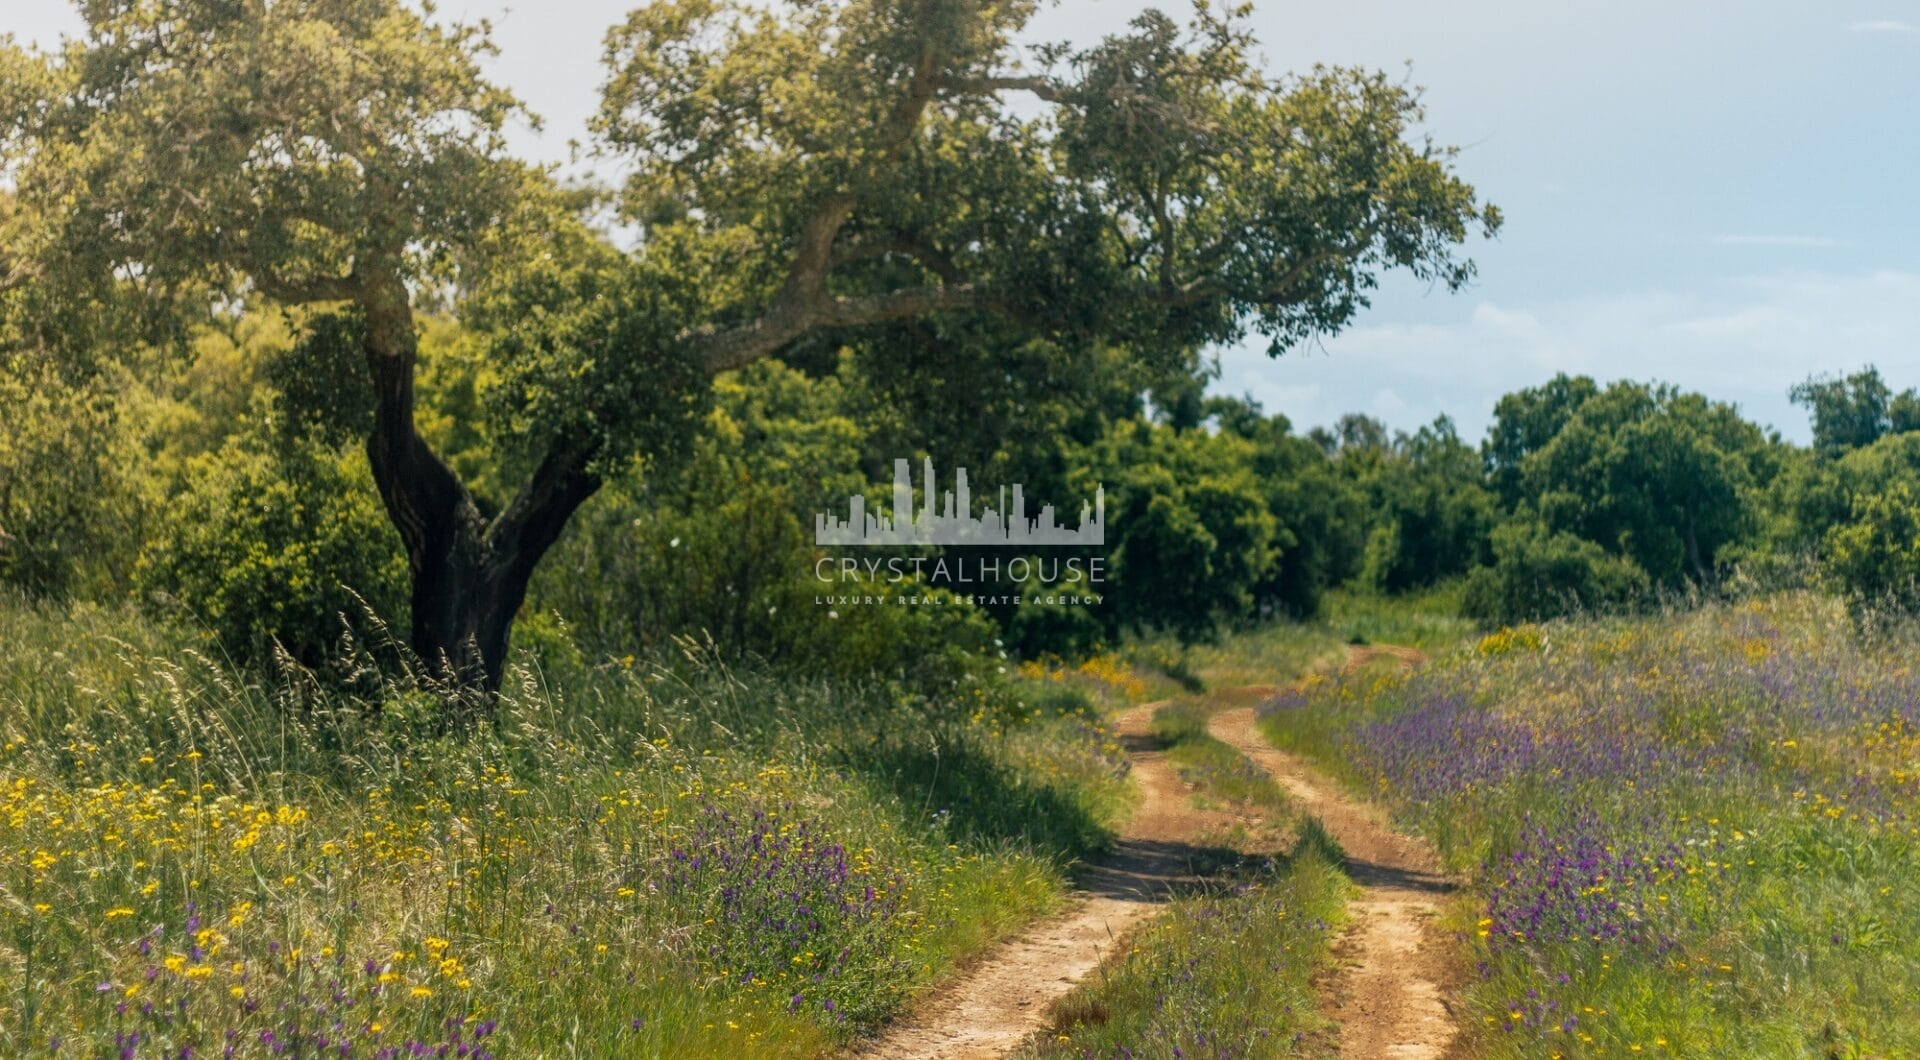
[(988, 1010), (1395, 966)]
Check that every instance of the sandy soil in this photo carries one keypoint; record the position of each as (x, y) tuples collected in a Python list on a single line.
[(1395, 969), (1388, 994), (992, 1007), (1359, 655)]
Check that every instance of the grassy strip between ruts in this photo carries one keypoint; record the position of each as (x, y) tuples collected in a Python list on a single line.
[(1219, 774), (1227, 973)]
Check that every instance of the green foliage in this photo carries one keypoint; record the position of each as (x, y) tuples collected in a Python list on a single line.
[(1657, 476), (1040, 629), (586, 341), (322, 379), (1612, 491), (1320, 514), (1854, 411), (1430, 508), (72, 488), (276, 542), (974, 393), (292, 142), (938, 642), (713, 546), (1524, 422), (1291, 194), (720, 547), (1191, 136), (1538, 573), (796, 173), (1875, 554), (1190, 532), (193, 400), (1850, 512)]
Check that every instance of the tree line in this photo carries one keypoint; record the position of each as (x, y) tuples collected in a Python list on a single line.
[(227, 483)]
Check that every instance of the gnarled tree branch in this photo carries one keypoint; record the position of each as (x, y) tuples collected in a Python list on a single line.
[(905, 244), (802, 302), (736, 347), (532, 521), (1042, 87)]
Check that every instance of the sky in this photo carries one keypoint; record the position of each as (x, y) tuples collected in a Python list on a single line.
[(1717, 194)]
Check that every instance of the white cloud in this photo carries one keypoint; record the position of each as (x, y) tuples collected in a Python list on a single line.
[(1516, 323), (1777, 241), (1741, 340), (1388, 405), (1883, 25)]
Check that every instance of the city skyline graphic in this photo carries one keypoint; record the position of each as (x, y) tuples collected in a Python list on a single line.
[(952, 522)]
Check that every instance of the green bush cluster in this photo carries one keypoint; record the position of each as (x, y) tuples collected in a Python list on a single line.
[(232, 487), (70, 480), (268, 543), (1537, 572)]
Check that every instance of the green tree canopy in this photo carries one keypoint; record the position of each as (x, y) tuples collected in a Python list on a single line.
[(1848, 412), (796, 170), (1854, 411), (1659, 476), (1320, 514), (1524, 422), (1192, 536), (1429, 504)]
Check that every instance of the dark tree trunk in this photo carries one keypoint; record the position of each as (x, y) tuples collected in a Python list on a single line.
[(1693, 554), (469, 575)]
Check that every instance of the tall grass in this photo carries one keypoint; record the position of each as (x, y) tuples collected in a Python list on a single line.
[(635, 858), (1691, 833), (1429, 620)]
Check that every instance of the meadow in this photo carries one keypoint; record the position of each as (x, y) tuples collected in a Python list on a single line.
[(290, 332), (672, 858), (1690, 834)]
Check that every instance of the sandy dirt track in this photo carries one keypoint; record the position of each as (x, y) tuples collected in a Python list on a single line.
[(1388, 994), (992, 1007)]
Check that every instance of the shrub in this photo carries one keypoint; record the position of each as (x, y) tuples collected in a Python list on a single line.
[(737, 569), (939, 642), (1666, 478), (70, 497), (714, 547), (268, 542), (1875, 555), (1064, 631), (1538, 574)]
